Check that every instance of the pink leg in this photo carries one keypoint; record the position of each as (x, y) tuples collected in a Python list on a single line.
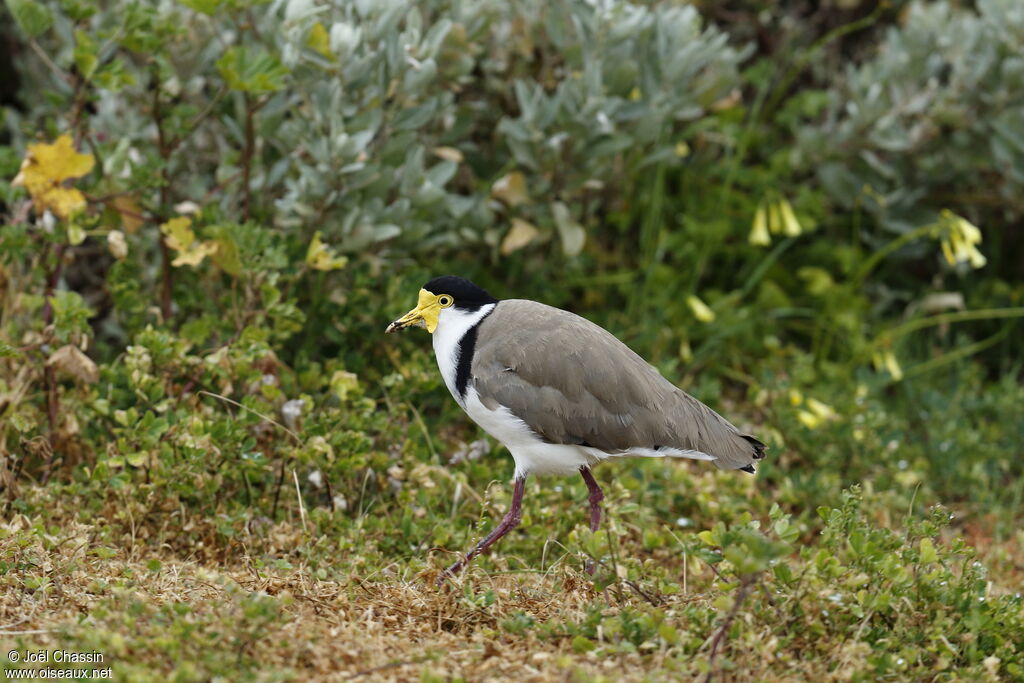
[(509, 522), (595, 498)]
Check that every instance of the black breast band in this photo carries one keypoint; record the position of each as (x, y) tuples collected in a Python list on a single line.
[(467, 346)]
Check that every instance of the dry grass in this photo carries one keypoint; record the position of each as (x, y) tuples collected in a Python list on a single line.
[(384, 629), (157, 613)]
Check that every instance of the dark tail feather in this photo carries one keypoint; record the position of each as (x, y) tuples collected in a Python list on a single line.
[(759, 449)]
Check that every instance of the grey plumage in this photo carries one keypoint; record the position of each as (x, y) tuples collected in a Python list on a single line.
[(573, 382)]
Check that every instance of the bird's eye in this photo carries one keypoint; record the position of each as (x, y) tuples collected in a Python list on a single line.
[(444, 301)]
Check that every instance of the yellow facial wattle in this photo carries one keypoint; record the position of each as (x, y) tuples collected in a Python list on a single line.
[(426, 313)]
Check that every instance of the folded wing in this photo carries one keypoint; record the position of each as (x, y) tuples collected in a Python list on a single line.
[(573, 382)]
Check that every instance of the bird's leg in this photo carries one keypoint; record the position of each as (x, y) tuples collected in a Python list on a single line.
[(509, 522), (595, 498)]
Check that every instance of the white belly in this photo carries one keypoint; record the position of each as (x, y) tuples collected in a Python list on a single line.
[(532, 455)]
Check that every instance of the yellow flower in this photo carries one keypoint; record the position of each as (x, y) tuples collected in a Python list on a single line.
[(701, 311), (816, 413), (180, 237), (822, 410), (44, 171), (774, 218), (759, 228), (808, 419), (321, 257), (886, 360), (958, 239), (790, 225)]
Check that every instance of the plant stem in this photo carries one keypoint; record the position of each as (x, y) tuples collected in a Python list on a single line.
[(49, 376), (741, 595), (247, 153), (875, 258), (164, 148), (650, 232), (958, 354), (957, 317), (807, 57)]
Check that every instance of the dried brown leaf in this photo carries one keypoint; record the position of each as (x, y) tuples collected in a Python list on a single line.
[(70, 360)]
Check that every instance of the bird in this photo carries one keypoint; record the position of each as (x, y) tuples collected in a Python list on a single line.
[(561, 394)]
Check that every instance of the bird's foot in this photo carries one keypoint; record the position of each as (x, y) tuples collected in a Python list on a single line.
[(451, 571)]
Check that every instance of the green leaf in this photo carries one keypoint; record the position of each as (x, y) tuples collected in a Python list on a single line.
[(208, 7), (581, 644), (22, 423), (252, 70), (7, 351), (76, 234), (86, 58), (319, 41), (928, 553), (227, 256), (343, 383), (32, 17), (136, 459)]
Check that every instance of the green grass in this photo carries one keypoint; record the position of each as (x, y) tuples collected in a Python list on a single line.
[(180, 567)]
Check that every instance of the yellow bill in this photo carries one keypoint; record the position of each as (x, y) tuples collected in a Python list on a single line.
[(424, 315)]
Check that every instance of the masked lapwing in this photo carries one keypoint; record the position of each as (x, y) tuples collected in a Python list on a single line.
[(561, 393)]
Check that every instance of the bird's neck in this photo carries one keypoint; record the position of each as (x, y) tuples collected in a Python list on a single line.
[(450, 347)]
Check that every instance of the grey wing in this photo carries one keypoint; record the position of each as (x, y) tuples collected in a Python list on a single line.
[(573, 382)]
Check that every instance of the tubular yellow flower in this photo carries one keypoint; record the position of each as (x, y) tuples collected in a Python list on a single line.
[(701, 311), (759, 228), (822, 410), (774, 218), (886, 360), (959, 238), (808, 419), (790, 225)]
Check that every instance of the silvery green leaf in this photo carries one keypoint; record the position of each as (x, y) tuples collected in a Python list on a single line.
[(345, 38), (387, 21), (428, 193), (299, 9), (459, 206), (570, 232), (526, 98), (358, 141), (440, 174), (419, 76), (386, 231), (416, 117), (435, 37), (412, 170)]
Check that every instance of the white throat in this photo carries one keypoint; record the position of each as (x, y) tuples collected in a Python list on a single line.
[(452, 325)]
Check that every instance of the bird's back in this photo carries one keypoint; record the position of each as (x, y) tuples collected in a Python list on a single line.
[(574, 382)]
